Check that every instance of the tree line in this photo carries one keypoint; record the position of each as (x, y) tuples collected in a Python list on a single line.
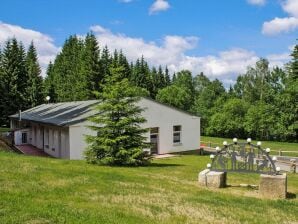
[(261, 104)]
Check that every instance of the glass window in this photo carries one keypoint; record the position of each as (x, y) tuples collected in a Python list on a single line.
[(177, 134), (153, 130)]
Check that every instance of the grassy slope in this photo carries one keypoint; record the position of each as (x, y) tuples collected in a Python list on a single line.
[(275, 146), (44, 190), (4, 129)]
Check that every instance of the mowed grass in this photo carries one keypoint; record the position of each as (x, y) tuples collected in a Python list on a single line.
[(46, 190), (4, 129), (274, 146)]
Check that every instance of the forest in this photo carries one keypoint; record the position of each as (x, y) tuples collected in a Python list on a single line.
[(262, 104)]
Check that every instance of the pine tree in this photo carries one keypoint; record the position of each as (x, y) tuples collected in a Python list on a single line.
[(167, 77), (105, 63), (35, 91), (120, 139), (49, 84), (13, 78), (91, 65), (70, 81)]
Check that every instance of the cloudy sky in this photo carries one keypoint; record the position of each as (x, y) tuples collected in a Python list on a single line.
[(219, 37)]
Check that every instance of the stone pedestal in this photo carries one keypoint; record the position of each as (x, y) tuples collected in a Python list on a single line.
[(203, 178), (212, 178), (273, 186)]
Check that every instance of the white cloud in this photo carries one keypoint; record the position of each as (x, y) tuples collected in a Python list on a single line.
[(172, 51), (286, 24), (159, 5), (279, 25), (279, 59), (291, 7), (257, 2), (44, 44)]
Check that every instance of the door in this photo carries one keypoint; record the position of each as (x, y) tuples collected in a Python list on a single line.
[(24, 137), (154, 139)]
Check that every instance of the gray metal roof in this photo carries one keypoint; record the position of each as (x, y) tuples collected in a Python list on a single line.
[(61, 114), (67, 113)]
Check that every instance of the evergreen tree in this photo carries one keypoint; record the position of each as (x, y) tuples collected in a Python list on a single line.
[(35, 91), (105, 63), (69, 81), (49, 84), (120, 139), (91, 65), (13, 80), (167, 77)]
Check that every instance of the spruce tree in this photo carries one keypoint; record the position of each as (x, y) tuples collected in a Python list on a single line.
[(167, 77), (35, 91), (13, 82), (49, 84), (105, 63), (120, 139), (91, 65)]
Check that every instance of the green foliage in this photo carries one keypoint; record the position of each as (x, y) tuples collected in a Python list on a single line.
[(180, 94), (82, 67), (175, 96), (35, 90), (13, 80), (119, 139), (230, 120)]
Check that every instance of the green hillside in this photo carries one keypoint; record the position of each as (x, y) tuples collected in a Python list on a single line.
[(44, 190)]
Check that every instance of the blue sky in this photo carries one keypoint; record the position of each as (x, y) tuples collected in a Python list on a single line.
[(219, 37)]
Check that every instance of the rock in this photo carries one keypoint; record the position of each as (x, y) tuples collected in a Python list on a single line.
[(273, 186), (203, 178), (216, 179)]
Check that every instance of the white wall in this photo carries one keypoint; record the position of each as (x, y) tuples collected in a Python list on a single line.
[(56, 141), (77, 143), (157, 115), (165, 118)]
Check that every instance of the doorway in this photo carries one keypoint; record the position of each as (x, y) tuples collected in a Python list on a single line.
[(154, 139), (24, 137)]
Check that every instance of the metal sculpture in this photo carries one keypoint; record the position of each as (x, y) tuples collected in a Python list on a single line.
[(243, 157)]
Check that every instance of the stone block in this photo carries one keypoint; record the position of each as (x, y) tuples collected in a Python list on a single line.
[(203, 178), (273, 186), (216, 179)]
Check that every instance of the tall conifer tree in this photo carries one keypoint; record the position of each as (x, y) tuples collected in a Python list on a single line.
[(35, 90), (119, 139)]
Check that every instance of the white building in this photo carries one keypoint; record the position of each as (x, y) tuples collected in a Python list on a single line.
[(59, 128)]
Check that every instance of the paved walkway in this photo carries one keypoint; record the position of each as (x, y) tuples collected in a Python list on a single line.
[(31, 150), (162, 156)]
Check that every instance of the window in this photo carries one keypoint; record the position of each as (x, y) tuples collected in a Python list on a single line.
[(154, 140), (177, 134)]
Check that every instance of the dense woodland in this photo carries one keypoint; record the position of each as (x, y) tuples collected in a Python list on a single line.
[(262, 104)]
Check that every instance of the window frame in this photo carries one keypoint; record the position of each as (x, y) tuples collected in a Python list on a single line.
[(175, 131)]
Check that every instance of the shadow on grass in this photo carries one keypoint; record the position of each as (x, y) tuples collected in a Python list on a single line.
[(192, 152), (291, 195), (164, 165)]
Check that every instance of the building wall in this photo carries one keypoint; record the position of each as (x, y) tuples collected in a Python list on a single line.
[(52, 139), (69, 143), (77, 139), (56, 141), (157, 115), (165, 118)]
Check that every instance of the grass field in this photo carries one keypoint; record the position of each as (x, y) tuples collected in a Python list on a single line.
[(45, 190), (3, 129), (274, 146)]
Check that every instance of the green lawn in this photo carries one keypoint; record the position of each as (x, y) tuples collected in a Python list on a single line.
[(45, 190), (4, 129), (274, 146)]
